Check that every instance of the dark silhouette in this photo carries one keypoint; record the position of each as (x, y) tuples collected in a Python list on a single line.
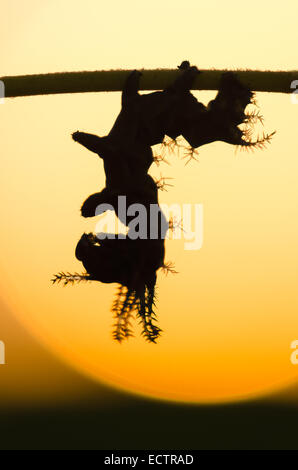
[(145, 120), (133, 265)]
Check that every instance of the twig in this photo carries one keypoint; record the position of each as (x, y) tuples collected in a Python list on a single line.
[(158, 79)]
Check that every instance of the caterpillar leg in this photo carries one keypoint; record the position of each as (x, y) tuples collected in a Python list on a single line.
[(90, 205), (91, 142), (131, 87), (185, 79)]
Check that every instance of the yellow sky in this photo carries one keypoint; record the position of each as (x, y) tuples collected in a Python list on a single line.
[(230, 314)]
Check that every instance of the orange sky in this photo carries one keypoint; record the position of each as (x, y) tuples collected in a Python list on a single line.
[(230, 314)]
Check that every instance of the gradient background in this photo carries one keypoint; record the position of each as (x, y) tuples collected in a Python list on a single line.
[(230, 314)]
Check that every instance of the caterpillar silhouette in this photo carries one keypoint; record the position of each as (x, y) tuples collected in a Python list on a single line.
[(145, 120)]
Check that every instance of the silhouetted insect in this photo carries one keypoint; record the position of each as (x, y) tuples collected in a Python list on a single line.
[(145, 120)]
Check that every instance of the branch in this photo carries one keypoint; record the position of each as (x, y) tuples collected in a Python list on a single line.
[(113, 80)]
